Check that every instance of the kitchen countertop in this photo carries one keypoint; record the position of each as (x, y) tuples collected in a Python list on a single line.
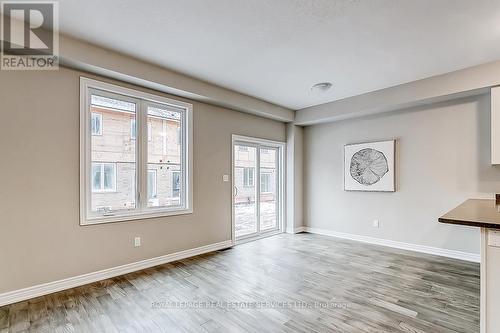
[(481, 213)]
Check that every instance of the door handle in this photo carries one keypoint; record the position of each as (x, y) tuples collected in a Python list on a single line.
[(235, 191)]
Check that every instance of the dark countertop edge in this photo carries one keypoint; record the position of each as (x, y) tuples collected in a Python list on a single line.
[(469, 223)]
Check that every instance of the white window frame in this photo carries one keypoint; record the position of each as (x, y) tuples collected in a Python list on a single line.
[(246, 180), (102, 190), (266, 174), (98, 115), (142, 211)]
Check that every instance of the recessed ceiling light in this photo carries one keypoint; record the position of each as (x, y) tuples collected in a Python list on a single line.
[(322, 86)]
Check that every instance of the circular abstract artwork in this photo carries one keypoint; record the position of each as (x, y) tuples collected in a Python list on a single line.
[(368, 166)]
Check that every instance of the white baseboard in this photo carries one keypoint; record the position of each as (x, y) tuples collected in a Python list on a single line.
[(76, 281), (295, 230), (399, 245)]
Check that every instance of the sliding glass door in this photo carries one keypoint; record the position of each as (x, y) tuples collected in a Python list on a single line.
[(257, 187), (245, 189), (268, 194)]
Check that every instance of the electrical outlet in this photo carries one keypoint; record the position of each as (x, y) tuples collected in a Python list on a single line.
[(225, 178), (137, 241), (376, 223)]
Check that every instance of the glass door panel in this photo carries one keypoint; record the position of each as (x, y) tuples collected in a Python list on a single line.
[(268, 170), (245, 190)]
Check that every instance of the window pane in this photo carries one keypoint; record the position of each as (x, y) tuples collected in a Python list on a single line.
[(96, 177), (245, 206), (268, 191), (265, 183), (176, 184), (248, 176), (165, 156), (109, 177), (113, 155), (96, 124)]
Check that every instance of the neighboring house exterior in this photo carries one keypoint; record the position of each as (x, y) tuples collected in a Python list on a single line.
[(114, 154), (245, 174)]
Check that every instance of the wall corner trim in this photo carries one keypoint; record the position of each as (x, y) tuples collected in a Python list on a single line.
[(76, 281), (473, 257)]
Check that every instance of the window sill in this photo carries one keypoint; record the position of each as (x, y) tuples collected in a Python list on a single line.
[(133, 216)]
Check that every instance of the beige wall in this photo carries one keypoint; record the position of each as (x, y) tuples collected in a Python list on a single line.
[(39, 178), (443, 158)]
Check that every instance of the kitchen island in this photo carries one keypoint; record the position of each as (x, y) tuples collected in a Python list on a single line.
[(484, 214)]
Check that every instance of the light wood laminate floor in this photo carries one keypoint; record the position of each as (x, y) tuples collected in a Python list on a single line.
[(319, 284)]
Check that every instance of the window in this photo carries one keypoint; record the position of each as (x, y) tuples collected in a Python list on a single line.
[(103, 177), (96, 123), (176, 184), (248, 177), (133, 129), (265, 182), (133, 179), (152, 190)]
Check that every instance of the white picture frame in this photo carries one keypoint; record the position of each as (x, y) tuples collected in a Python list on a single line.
[(370, 166)]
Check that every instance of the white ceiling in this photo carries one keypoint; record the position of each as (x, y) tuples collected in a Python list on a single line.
[(276, 50)]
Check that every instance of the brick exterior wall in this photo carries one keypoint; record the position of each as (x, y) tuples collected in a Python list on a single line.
[(245, 158), (117, 145)]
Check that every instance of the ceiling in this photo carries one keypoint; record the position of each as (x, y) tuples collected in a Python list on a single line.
[(276, 50)]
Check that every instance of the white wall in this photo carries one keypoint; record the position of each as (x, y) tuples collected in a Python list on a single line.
[(443, 158)]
